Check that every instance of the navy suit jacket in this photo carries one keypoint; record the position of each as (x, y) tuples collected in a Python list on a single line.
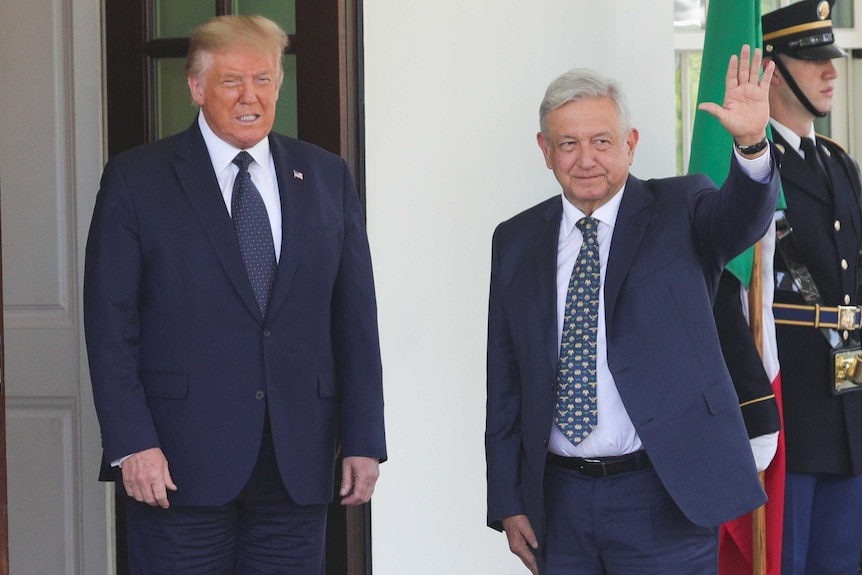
[(179, 356), (671, 240)]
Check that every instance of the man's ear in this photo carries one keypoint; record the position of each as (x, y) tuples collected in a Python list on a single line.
[(775, 75), (197, 90), (632, 142), (543, 144)]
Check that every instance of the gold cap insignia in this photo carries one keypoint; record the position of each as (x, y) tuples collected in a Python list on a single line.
[(823, 10)]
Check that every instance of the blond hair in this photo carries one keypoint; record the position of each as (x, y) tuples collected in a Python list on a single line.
[(223, 33)]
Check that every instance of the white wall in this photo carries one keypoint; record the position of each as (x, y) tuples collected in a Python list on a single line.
[(452, 93), (452, 89)]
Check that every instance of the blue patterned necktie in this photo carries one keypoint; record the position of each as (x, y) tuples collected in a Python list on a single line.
[(253, 231), (576, 380)]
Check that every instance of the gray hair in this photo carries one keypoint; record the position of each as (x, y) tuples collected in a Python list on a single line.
[(580, 83)]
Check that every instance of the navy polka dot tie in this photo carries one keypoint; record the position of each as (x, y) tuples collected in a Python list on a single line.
[(253, 231), (575, 411)]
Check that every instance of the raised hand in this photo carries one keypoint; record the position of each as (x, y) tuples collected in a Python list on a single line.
[(745, 112)]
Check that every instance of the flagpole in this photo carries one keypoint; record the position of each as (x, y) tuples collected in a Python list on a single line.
[(755, 315), (730, 24)]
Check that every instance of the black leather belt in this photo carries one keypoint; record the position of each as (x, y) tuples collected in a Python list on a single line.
[(602, 466)]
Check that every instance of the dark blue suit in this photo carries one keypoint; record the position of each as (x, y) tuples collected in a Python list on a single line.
[(671, 240), (179, 356)]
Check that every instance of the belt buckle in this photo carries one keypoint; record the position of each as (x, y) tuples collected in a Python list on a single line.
[(847, 317), (604, 465)]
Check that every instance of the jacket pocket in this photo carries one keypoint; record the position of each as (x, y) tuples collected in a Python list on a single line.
[(720, 397)]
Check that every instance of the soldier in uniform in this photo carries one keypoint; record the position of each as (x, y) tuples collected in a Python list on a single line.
[(816, 266)]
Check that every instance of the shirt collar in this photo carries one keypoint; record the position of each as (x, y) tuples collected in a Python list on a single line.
[(606, 214), (792, 138), (222, 154)]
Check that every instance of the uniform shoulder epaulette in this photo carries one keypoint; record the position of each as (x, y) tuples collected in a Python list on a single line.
[(832, 142)]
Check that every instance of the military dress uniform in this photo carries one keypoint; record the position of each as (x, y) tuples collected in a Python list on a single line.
[(823, 431), (819, 240)]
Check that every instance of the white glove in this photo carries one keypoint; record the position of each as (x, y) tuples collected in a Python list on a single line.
[(763, 447)]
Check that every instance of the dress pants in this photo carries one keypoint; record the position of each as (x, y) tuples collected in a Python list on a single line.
[(624, 524), (261, 532), (822, 524)]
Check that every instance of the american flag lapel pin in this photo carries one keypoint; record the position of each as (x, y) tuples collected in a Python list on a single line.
[(297, 174)]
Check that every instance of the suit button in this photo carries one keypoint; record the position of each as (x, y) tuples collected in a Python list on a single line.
[(266, 333), (837, 225), (847, 299), (844, 264), (259, 394)]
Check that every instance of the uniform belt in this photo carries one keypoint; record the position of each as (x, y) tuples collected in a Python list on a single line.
[(843, 317), (602, 466)]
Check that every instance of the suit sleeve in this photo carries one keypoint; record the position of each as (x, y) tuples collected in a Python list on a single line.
[(112, 279), (355, 337), (503, 436), (733, 219), (757, 400)]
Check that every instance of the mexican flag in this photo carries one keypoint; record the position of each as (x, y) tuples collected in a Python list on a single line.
[(729, 25)]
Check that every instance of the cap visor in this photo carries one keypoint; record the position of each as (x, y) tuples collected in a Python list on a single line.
[(826, 52)]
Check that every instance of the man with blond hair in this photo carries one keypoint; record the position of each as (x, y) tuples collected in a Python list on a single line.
[(231, 326)]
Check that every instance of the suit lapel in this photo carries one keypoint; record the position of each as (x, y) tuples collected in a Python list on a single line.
[(196, 176), (632, 221), (290, 173), (544, 275)]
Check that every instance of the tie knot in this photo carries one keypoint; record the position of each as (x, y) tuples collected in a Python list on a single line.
[(243, 160), (808, 146), (588, 226)]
